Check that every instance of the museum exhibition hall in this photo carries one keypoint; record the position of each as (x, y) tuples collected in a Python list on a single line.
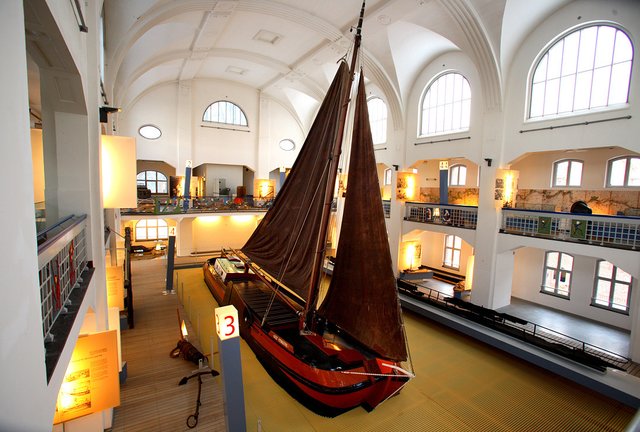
[(338, 215)]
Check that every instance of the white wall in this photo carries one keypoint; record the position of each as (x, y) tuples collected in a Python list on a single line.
[(157, 107), (530, 262), (621, 133), (467, 148), (211, 233), (536, 169)]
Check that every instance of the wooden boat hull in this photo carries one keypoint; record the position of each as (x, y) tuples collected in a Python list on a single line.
[(329, 386)]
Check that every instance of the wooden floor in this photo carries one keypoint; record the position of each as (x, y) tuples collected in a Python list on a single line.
[(151, 399), (460, 385)]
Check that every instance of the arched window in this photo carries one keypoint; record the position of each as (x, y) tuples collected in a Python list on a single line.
[(378, 119), (457, 175), (612, 288), (446, 105), (558, 268), (155, 181), (585, 69), (225, 112), (452, 251), (567, 172), (152, 229), (624, 172)]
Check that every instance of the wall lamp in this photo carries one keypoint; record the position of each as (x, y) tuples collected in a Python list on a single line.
[(104, 110)]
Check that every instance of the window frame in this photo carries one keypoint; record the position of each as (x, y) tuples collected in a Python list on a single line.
[(462, 104), (554, 290), (236, 109), (571, 80), (146, 229), (571, 163), (612, 282), (154, 181), (454, 249), (378, 124), (457, 168), (625, 184)]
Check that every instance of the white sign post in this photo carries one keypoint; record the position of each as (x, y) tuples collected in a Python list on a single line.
[(228, 331)]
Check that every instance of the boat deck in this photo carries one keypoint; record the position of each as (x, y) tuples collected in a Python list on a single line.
[(262, 302)]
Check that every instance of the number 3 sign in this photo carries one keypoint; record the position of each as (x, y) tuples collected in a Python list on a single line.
[(227, 322)]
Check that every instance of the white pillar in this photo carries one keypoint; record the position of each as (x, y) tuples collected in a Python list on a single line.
[(22, 375)]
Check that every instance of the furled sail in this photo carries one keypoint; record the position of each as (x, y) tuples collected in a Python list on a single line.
[(284, 242), (362, 296)]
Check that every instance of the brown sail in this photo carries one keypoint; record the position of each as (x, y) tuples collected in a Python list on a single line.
[(284, 242), (362, 297)]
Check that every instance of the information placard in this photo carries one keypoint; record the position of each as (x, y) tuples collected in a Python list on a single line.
[(227, 322)]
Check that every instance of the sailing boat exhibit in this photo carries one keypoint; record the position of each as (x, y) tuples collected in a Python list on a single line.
[(347, 348)]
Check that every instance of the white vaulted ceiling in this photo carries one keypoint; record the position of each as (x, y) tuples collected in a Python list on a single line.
[(288, 48)]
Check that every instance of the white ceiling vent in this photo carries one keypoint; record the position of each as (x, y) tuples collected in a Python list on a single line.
[(236, 70), (267, 37)]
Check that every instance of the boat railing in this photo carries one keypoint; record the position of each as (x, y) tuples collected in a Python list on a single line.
[(602, 230), (442, 214), (513, 326)]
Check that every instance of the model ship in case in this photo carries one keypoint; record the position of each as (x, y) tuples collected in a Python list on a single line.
[(346, 348)]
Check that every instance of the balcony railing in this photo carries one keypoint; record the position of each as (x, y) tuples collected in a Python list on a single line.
[(62, 258), (543, 337), (218, 203), (602, 230), (442, 214)]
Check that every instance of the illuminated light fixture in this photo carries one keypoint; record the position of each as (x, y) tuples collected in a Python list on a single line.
[(264, 188), (119, 184), (183, 329), (105, 111), (412, 254), (506, 187), (242, 219), (468, 282), (406, 186), (209, 219)]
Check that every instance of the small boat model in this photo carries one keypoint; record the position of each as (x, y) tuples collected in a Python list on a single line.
[(333, 345)]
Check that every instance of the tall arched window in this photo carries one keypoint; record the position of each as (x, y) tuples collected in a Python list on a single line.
[(585, 69), (446, 105), (155, 181), (612, 288), (623, 172), (225, 112), (457, 175), (558, 267), (378, 119), (452, 251), (152, 229), (567, 172)]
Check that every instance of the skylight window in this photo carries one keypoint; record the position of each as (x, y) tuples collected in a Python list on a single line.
[(225, 112), (150, 132)]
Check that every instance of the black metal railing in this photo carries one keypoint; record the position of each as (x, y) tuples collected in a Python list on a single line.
[(535, 334)]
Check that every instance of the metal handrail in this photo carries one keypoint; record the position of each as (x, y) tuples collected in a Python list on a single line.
[(601, 230), (536, 330)]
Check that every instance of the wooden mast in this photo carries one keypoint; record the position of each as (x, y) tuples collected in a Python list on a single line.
[(318, 260)]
